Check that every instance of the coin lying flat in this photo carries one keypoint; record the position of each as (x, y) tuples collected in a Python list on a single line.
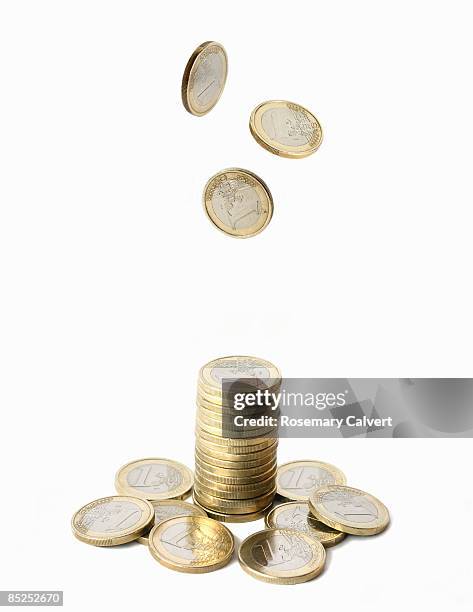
[(296, 515), (240, 367), (238, 202), (167, 509), (285, 129), (282, 556), (112, 520), (204, 78), (155, 479), (233, 518), (349, 510), (298, 479), (193, 544)]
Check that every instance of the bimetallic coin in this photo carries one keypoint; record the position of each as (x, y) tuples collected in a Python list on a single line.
[(233, 518), (193, 544), (238, 202), (155, 479), (233, 506), (263, 372), (164, 510), (296, 515), (285, 129), (204, 78), (282, 556), (349, 510), (113, 520), (298, 479)]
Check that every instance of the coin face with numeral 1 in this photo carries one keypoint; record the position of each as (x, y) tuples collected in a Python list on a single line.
[(155, 479), (298, 479), (296, 515), (282, 556), (204, 78), (286, 129), (113, 520), (349, 510), (164, 510), (192, 544), (238, 202)]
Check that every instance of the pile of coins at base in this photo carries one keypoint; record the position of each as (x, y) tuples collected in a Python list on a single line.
[(235, 477), (318, 513), (237, 201)]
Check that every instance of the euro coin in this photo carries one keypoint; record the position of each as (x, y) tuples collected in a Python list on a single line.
[(155, 479), (238, 202), (167, 509), (349, 510), (298, 479), (114, 520), (264, 373), (193, 544), (233, 518), (296, 515), (233, 468), (286, 129), (233, 506), (204, 78), (242, 478), (282, 556)]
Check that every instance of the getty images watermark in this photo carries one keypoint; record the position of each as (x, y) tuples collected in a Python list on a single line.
[(347, 407)]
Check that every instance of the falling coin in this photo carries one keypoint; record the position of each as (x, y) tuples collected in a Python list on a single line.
[(282, 556), (296, 515), (155, 479), (285, 129), (110, 521), (193, 544), (349, 510), (204, 78), (238, 202)]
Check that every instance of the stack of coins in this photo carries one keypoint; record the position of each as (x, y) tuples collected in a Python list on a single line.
[(235, 469)]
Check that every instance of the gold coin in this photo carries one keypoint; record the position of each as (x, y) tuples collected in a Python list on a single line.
[(282, 556), (211, 453), (264, 373), (285, 129), (114, 520), (298, 479), (233, 506), (234, 468), (155, 479), (238, 202), (296, 515), (234, 492), (238, 479), (234, 446), (234, 518), (171, 508), (193, 544), (204, 78), (349, 510)]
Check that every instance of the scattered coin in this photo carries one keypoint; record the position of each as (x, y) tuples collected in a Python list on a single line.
[(296, 515), (298, 479), (193, 544), (167, 509), (238, 202), (349, 510), (282, 556), (110, 521), (155, 479), (285, 129), (204, 78)]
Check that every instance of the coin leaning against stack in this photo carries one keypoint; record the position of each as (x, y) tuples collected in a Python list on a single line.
[(235, 470)]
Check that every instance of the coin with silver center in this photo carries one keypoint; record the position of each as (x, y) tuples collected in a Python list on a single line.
[(167, 509), (238, 202), (282, 556), (114, 520), (298, 479), (286, 129), (204, 78), (349, 510), (193, 544), (296, 515), (155, 479)]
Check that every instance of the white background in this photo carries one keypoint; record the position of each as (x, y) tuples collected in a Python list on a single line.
[(116, 288)]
